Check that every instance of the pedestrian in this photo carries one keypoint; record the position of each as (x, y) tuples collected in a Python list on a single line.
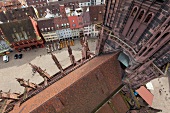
[(160, 91)]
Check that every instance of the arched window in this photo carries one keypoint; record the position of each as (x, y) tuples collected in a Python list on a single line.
[(148, 18), (134, 11), (141, 15)]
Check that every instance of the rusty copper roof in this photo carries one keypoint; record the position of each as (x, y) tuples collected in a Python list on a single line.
[(80, 91)]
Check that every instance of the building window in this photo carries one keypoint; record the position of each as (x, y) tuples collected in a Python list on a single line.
[(74, 25), (73, 20), (28, 33), (148, 18), (134, 11), (131, 32), (22, 28), (141, 15), (14, 29)]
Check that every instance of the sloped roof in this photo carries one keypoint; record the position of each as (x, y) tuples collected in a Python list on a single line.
[(145, 94), (80, 91), (117, 105), (96, 13), (8, 28)]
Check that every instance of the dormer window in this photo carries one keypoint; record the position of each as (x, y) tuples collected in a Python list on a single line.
[(42, 29)]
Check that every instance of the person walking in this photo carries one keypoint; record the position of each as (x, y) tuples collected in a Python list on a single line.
[(160, 91)]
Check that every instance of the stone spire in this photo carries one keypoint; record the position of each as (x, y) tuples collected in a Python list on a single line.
[(7, 97), (25, 83), (57, 63), (28, 86), (72, 58), (85, 49), (41, 72)]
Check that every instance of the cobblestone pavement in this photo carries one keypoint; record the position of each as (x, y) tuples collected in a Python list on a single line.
[(19, 68), (161, 94)]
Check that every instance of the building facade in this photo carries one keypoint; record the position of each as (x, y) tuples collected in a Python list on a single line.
[(90, 31), (69, 23), (141, 29), (97, 2)]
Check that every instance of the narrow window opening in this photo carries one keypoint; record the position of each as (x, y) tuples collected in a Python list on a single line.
[(131, 32), (141, 15), (148, 18), (134, 11)]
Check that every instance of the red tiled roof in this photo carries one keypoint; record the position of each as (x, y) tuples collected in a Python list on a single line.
[(117, 105), (75, 22), (80, 91), (145, 94)]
